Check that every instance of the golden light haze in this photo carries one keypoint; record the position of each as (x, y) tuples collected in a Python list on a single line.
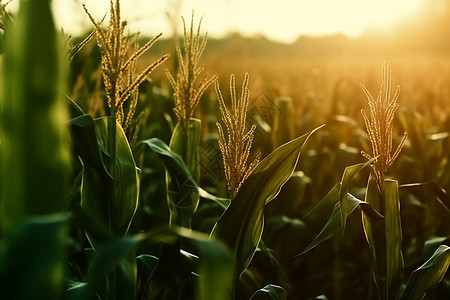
[(281, 20)]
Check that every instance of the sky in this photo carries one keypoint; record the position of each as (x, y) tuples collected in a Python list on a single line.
[(282, 20)]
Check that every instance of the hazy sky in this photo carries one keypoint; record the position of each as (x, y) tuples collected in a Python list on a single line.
[(283, 20)]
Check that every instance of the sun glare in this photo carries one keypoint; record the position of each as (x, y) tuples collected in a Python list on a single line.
[(282, 20)]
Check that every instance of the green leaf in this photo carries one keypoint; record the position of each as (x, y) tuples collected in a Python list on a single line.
[(334, 223), (428, 275), (177, 168), (240, 226), (186, 145), (222, 202), (32, 263), (35, 155), (330, 199), (339, 192), (216, 268), (347, 177), (111, 262), (376, 236), (183, 199), (183, 193), (269, 292), (385, 238), (394, 255), (112, 201), (215, 264)]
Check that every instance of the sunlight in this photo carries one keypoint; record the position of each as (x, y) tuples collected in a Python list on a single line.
[(282, 20)]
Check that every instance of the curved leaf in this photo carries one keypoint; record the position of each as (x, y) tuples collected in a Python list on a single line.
[(330, 199), (428, 275), (215, 263), (334, 223), (269, 292), (183, 197), (339, 192), (347, 177), (240, 226), (111, 256), (32, 264), (182, 188), (113, 201)]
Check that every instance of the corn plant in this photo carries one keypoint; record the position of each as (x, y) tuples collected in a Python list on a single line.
[(34, 157), (189, 86), (242, 237), (381, 207), (115, 205)]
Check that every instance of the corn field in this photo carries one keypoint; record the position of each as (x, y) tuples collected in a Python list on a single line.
[(130, 170)]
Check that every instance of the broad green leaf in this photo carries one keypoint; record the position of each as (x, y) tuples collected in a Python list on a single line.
[(428, 275), (35, 155), (347, 177), (269, 292), (182, 188), (385, 238), (330, 199), (240, 226), (112, 201), (178, 169), (334, 223), (222, 202), (375, 233), (434, 242), (110, 263), (339, 192), (181, 205), (186, 145), (394, 255), (214, 260), (216, 268), (32, 263)]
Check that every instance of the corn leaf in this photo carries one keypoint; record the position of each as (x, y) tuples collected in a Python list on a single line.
[(186, 145), (216, 268), (214, 260), (110, 257), (394, 256), (183, 205), (339, 192), (269, 292), (347, 177), (428, 275), (375, 233), (113, 201), (240, 226), (35, 153), (182, 188), (32, 264), (330, 199), (385, 238), (334, 223)]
